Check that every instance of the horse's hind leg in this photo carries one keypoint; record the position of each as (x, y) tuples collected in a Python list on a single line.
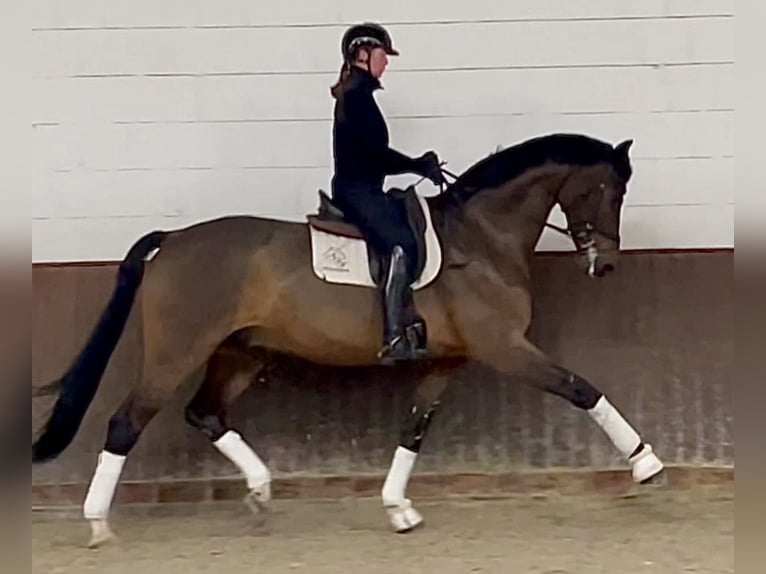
[(230, 372), (402, 515), (124, 429)]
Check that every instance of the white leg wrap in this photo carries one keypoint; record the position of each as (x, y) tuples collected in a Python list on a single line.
[(403, 517), (398, 476), (645, 464), (233, 446), (103, 486), (615, 426)]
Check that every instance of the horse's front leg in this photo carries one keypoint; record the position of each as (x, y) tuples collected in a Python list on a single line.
[(424, 405), (493, 326), (557, 380), (527, 364)]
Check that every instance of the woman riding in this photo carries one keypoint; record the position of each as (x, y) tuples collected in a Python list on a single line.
[(363, 159)]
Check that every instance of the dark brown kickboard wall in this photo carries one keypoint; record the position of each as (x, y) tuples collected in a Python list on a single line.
[(656, 337)]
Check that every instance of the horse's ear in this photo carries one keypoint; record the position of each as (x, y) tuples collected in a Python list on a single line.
[(624, 148), (622, 160)]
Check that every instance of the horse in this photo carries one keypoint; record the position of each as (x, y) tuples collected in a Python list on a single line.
[(230, 293)]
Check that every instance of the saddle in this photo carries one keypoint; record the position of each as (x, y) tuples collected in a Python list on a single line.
[(342, 255)]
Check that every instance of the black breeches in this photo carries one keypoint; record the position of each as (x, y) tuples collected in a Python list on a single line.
[(379, 218)]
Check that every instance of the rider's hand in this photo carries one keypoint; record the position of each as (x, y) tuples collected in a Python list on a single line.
[(430, 168)]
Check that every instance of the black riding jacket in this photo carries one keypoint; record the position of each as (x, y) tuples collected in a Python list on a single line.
[(360, 137)]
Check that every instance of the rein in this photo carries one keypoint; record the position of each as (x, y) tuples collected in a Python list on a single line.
[(581, 233), (581, 236)]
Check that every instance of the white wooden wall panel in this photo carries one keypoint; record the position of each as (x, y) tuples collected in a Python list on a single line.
[(676, 225), (435, 46), (509, 91), (287, 192), (460, 140), (683, 227), (54, 14), (148, 115)]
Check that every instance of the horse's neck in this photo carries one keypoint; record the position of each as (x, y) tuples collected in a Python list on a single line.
[(510, 218)]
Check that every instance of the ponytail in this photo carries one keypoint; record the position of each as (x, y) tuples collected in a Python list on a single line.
[(339, 87)]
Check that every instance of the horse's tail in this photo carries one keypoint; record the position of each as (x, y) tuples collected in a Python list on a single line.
[(80, 383)]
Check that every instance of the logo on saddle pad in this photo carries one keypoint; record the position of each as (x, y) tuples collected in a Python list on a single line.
[(341, 255), (335, 258)]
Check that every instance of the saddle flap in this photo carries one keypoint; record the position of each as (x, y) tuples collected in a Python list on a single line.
[(328, 211), (330, 219), (416, 219), (336, 227)]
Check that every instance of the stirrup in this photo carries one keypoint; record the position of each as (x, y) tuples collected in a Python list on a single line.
[(417, 337), (396, 350)]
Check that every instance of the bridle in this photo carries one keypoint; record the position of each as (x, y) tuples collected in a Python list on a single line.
[(580, 232)]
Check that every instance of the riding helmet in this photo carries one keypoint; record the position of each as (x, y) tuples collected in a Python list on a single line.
[(366, 34)]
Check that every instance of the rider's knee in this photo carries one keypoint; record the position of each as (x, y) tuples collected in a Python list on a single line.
[(404, 257)]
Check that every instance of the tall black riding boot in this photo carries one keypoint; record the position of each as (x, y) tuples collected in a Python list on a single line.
[(403, 340)]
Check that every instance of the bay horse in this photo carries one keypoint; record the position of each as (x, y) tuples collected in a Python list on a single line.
[(228, 294)]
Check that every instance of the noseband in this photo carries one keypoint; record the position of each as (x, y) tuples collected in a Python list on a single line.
[(581, 232)]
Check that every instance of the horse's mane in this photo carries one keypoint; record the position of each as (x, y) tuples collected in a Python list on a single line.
[(504, 165)]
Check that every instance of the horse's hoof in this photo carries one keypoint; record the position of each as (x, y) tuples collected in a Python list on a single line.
[(100, 533), (258, 500), (657, 480), (403, 517), (646, 466)]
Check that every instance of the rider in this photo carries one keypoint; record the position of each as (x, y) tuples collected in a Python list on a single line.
[(363, 158)]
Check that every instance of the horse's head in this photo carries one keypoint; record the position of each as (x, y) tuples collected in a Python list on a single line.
[(591, 199)]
